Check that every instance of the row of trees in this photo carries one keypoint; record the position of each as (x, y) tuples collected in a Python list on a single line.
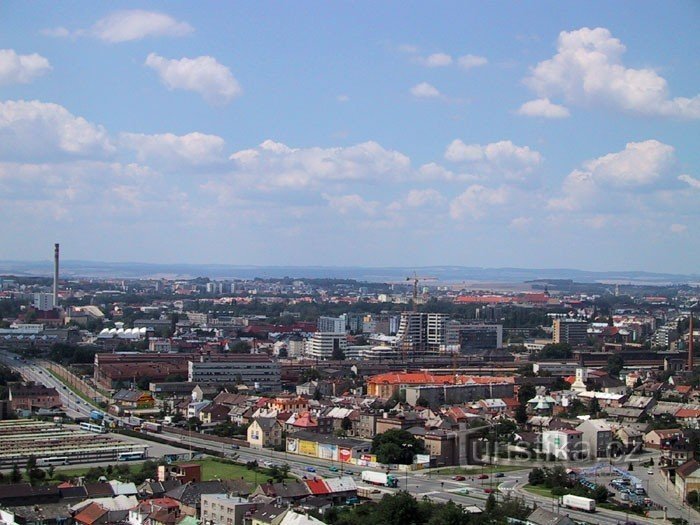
[(559, 482), (403, 509)]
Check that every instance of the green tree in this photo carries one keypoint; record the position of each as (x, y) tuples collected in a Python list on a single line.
[(16, 474), (31, 463), (521, 414), (600, 494), (448, 514), (396, 446), (490, 504), (693, 498), (536, 476), (615, 365), (338, 354), (555, 351)]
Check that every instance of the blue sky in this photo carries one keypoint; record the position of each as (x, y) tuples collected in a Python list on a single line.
[(355, 133)]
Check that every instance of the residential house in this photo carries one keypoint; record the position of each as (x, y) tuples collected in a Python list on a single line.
[(564, 444), (265, 432), (213, 414), (597, 437), (155, 511), (687, 478), (92, 514), (286, 492), (189, 495), (134, 399), (32, 397), (542, 516), (656, 439), (222, 509), (632, 439), (689, 417), (268, 515)]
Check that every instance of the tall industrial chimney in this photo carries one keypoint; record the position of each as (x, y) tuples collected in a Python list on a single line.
[(690, 343), (55, 275)]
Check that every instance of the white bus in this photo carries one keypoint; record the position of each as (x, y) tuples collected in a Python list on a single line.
[(45, 462), (93, 428), (131, 456)]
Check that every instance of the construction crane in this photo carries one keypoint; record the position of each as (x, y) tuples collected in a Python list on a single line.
[(416, 279)]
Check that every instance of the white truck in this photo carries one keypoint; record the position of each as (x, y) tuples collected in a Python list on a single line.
[(379, 478), (578, 503)]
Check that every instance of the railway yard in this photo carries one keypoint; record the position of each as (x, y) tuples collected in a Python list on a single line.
[(58, 444)]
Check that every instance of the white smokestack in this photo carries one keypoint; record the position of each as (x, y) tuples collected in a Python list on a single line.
[(55, 275)]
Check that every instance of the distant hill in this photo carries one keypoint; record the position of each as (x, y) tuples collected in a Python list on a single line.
[(136, 270)]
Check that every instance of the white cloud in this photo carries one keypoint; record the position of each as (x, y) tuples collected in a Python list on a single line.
[(436, 60), (80, 189), (193, 148), (475, 201), (276, 165), (691, 181), (408, 48), (21, 69), (342, 98), (40, 129), (542, 107), (203, 75), (57, 32), (125, 26), (640, 163), (588, 70), (678, 228), (639, 166), (425, 90), (470, 61), (346, 204), (497, 158), (520, 223), (421, 198)]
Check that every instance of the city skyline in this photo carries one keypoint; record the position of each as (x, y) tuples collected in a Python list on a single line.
[(492, 135)]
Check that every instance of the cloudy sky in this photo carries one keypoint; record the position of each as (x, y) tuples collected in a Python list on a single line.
[(352, 133)]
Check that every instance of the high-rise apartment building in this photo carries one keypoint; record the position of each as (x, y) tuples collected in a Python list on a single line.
[(571, 331), (322, 345), (334, 325), (43, 301)]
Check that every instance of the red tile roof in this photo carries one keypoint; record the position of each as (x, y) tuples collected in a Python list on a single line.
[(687, 413), (317, 486), (90, 514)]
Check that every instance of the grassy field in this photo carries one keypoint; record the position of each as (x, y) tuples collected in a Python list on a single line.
[(540, 491), (211, 469), (471, 471)]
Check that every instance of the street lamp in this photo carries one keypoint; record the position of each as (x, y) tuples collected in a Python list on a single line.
[(407, 446)]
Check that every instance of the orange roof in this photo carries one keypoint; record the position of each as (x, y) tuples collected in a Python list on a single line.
[(90, 514), (683, 389), (423, 378), (317, 486), (483, 299), (687, 413), (305, 420)]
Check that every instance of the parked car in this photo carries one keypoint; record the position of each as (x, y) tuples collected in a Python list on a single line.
[(310, 469), (489, 491), (650, 472), (333, 468), (499, 474), (458, 478), (483, 476), (235, 447)]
